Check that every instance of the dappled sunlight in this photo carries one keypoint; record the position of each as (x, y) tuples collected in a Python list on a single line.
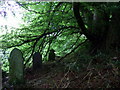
[(60, 45), (10, 16)]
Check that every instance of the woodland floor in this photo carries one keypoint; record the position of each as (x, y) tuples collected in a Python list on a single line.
[(56, 76)]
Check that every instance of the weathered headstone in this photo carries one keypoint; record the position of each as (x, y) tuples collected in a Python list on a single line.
[(37, 61), (16, 67), (51, 56)]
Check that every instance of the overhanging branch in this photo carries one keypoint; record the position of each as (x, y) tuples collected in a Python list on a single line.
[(44, 34), (71, 51)]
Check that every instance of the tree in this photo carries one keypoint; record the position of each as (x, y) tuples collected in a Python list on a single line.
[(63, 26), (103, 31), (46, 30)]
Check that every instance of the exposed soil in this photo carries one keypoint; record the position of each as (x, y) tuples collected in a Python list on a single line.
[(57, 76)]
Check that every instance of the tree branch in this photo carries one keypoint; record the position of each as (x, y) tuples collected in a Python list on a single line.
[(33, 49), (71, 51), (44, 34)]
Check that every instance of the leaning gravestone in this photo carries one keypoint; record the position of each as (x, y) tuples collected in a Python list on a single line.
[(16, 67), (37, 61)]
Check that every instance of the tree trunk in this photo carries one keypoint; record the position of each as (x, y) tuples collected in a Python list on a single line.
[(105, 33), (113, 36)]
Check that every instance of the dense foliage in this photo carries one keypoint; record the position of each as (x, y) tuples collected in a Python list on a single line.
[(63, 27), (79, 43)]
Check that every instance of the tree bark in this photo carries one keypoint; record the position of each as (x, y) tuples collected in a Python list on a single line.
[(80, 22), (113, 36), (105, 33)]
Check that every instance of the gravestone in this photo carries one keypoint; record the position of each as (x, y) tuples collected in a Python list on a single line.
[(51, 56), (16, 67), (37, 61)]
